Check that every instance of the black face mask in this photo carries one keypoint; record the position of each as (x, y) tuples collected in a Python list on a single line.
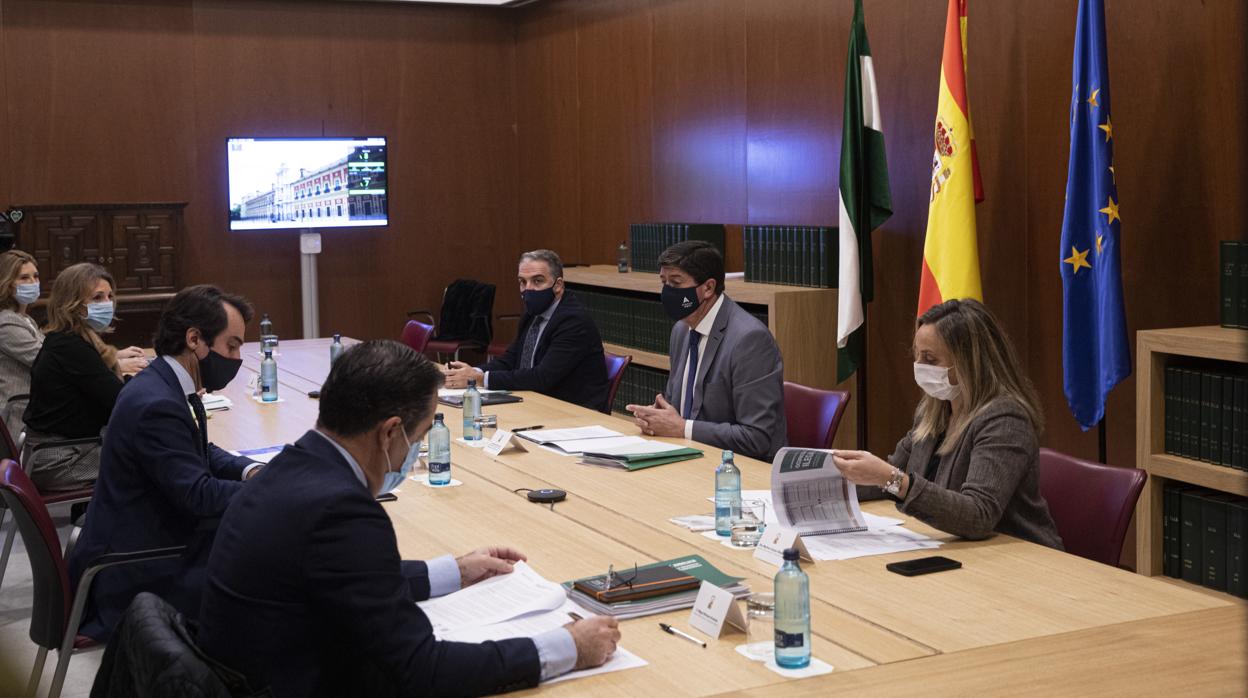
[(679, 302), (536, 302), (216, 371)]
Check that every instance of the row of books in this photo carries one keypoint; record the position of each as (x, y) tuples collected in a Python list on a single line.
[(1234, 265), (646, 241), (639, 386), (1207, 415), (635, 319), (1203, 537), (792, 254)]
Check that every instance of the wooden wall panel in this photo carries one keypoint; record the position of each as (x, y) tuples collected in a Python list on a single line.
[(615, 110), (1178, 79), (699, 111)]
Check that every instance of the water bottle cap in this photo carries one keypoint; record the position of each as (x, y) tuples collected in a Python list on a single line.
[(337, 336), (791, 554), (727, 455), (472, 382), (437, 417)]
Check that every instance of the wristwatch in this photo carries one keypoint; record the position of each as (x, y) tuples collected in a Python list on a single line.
[(893, 486)]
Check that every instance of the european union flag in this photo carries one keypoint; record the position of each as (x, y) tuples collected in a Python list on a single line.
[(1096, 354)]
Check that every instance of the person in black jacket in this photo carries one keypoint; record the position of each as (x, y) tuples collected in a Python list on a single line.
[(74, 380), (557, 350), (306, 592)]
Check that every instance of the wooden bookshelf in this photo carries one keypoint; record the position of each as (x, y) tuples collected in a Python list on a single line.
[(1154, 348), (802, 319)]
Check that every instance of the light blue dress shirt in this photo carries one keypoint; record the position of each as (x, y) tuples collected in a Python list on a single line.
[(556, 650)]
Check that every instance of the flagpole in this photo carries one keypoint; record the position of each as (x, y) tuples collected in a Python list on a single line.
[(1100, 439), (861, 388)]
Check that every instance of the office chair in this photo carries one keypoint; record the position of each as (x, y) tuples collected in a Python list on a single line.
[(1091, 503)]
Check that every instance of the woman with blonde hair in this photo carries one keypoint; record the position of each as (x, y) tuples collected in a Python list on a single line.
[(75, 380), (20, 338), (970, 464)]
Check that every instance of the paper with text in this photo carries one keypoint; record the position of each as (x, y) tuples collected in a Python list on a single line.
[(494, 600)]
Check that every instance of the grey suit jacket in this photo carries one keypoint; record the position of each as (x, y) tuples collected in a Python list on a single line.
[(739, 389), (989, 482)]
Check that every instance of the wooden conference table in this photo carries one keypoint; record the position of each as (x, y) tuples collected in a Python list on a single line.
[(1017, 617)]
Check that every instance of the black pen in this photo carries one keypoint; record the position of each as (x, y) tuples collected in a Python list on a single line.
[(680, 633), (575, 616), (535, 426)]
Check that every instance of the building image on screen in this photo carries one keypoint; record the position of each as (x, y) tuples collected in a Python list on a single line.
[(280, 183)]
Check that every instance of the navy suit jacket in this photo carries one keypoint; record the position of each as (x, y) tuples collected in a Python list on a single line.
[(568, 362), (307, 594), (156, 489)]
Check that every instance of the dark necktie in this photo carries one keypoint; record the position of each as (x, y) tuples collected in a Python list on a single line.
[(692, 375), (530, 342), (201, 418)]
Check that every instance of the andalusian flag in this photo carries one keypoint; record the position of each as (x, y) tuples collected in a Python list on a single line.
[(950, 257), (865, 199), (1096, 350)]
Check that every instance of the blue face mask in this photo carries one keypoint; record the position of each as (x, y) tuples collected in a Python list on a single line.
[(392, 479), (536, 302), (99, 315), (26, 293)]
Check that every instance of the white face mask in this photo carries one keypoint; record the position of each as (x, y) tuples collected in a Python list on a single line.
[(934, 380)]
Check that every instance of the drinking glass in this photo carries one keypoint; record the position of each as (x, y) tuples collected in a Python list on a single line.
[(760, 616), (748, 525)]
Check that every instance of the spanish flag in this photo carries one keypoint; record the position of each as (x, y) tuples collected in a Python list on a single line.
[(950, 257)]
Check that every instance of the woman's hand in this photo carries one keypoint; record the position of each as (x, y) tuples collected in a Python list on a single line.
[(132, 365), (862, 468)]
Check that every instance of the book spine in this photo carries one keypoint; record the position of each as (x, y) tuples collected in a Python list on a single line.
[(1242, 318), (1206, 412), (1171, 398), (1172, 528), (1191, 393), (1190, 537), (1228, 256), (826, 275), (1227, 421), (1236, 548), (1213, 542), (748, 234), (1241, 423), (1215, 419)]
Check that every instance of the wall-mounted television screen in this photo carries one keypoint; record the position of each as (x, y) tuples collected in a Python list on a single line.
[(280, 183)]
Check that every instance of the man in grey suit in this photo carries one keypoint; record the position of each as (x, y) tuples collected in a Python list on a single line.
[(726, 386)]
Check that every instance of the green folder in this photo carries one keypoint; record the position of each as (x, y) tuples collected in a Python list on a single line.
[(640, 461)]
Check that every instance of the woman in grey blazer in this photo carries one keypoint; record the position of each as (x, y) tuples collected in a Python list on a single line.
[(970, 464), (20, 338)]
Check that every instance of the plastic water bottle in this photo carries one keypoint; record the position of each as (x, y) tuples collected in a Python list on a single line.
[(439, 452), (266, 325), (335, 349), (268, 377), (727, 494), (621, 261), (472, 410), (792, 589)]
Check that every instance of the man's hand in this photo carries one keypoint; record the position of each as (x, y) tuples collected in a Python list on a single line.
[(660, 419), (487, 562), (595, 639), (458, 373)]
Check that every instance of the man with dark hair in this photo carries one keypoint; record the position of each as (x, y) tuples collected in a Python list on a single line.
[(557, 350), (161, 482), (321, 603), (726, 386)]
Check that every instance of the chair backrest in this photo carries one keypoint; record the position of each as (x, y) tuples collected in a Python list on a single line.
[(416, 335), (616, 365), (53, 597), (467, 311), (1091, 503), (812, 416)]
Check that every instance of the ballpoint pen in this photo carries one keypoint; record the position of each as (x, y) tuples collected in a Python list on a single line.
[(575, 616), (535, 426), (680, 633)]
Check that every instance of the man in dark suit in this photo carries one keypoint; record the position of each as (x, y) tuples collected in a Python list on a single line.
[(161, 482), (306, 591), (726, 386), (557, 350)]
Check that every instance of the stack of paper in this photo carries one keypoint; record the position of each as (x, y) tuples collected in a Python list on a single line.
[(520, 604), (574, 441), (213, 401), (635, 453), (691, 564)]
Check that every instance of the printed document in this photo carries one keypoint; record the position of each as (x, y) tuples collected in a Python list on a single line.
[(810, 495)]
